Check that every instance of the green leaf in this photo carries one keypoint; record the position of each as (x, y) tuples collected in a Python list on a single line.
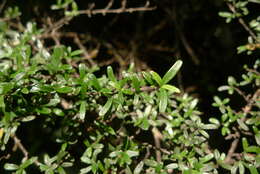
[(254, 149), (172, 72), (2, 102), (58, 112), (151, 163), (207, 158), (225, 14), (82, 110), (214, 121), (25, 91), (147, 76), (85, 170), (132, 153), (242, 124), (244, 143), (65, 89), (106, 107), (128, 170), (163, 100), (110, 74), (157, 78), (9, 166), (172, 166), (257, 138), (136, 82), (61, 170), (44, 110), (6, 87), (253, 170), (171, 88), (95, 82), (82, 70), (241, 168), (76, 52), (28, 162), (139, 168), (28, 118)]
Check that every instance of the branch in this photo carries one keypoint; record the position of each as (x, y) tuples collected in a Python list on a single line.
[(18, 144), (157, 138), (242, 22), (236, 136), (122, 9)]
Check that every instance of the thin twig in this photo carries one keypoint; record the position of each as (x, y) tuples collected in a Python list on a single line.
[(18, 144), (90, 12), (231, 151), (237, 134)]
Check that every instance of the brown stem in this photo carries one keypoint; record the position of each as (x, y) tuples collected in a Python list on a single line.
[(157, 138), (18, 144)]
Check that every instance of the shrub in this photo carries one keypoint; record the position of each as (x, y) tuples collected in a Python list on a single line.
[(74, 118)]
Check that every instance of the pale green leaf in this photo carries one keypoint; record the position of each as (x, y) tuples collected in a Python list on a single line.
[(171, 88), (172, 72), (106, 107), (163, 100), (157, 78)]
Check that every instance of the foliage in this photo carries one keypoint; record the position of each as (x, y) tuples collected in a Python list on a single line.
[(101, 122)]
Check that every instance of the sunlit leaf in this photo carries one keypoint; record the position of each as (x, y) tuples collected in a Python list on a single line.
[(157, 78), (110, 74), (106, 107), (139, 168), (163, 100), (82, 110), (171, 88), (172, 72)]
